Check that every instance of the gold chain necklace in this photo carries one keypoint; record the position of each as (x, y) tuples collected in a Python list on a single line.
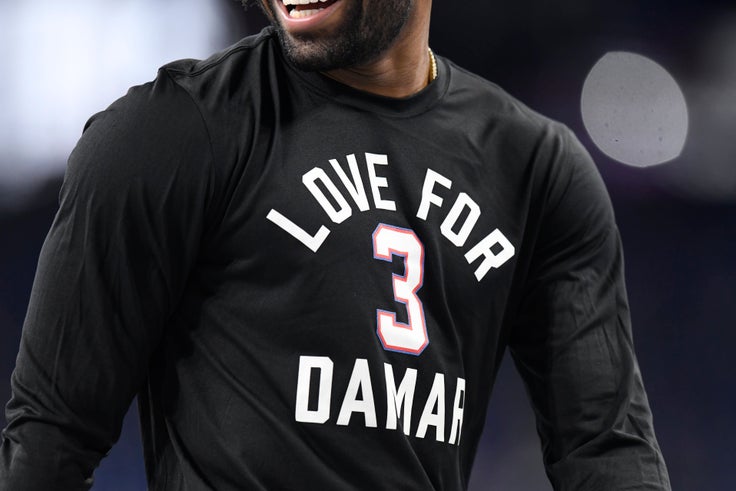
[(432, 66)]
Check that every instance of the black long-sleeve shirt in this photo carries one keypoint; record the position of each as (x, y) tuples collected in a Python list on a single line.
[(311, 287)]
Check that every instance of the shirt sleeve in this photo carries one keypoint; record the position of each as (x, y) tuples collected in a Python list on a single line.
[(572, 341), (112, 268)]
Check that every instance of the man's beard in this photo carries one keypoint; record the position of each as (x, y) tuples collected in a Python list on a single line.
[(362, 37)]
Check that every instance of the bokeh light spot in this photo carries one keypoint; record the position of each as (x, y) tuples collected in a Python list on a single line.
[(634, 110)]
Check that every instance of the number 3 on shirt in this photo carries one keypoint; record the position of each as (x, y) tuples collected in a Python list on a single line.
[(411, 338)]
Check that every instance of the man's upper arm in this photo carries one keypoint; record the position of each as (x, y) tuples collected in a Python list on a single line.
[(110, 273), (572, 341)]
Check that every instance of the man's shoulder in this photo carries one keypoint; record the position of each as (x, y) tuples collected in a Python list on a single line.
[(237, 64), (490, 102), (499, 116), (249, 47)]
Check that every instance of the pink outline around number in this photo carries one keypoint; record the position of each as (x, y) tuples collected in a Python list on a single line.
[(391, 316)]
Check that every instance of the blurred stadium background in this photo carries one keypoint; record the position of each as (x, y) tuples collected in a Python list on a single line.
[(669, 80)]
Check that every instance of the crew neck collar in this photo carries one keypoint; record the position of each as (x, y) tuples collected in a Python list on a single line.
[(403, 107)]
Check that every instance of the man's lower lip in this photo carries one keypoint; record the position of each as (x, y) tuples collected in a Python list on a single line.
[(295, 24)]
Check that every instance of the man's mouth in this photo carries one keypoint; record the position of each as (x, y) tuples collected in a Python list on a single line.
[(299, 9)]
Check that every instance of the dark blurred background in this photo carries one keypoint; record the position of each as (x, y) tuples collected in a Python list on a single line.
[(678, 219)]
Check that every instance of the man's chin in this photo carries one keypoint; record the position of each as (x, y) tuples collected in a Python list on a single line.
[(318, 50), (307, 54), (343, 36)]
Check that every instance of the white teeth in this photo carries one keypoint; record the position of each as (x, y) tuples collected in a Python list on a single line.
[(302, 2), (300, 14)]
